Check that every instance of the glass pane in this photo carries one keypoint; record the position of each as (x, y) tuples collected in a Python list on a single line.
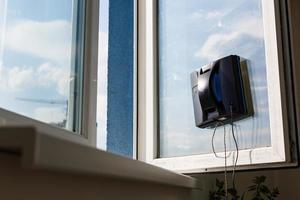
[(38, 71), (115, 77), (102, 75), (194, 33)]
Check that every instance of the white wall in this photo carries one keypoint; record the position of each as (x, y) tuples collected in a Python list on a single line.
[(17, 183)]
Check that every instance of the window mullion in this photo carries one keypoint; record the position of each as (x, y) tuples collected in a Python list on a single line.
[(89, 101), (76, 76)]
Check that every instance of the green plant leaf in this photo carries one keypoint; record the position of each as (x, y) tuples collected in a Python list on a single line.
[(258, 191), (243, 196), (264, 189), (219, 184), (232, 191), (275, 192), (252, 187), (259, 179)]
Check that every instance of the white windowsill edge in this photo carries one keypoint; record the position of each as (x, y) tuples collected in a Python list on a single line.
[(41, 151)]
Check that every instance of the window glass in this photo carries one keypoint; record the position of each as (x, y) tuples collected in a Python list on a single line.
[(194, 33), (102, 75), (115, 77), (37, 59)]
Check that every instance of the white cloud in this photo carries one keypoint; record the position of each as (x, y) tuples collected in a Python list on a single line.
[(49, 114), (204, 15), (214, 14), (197, 15), (15, 78), (19, 77), (211, 48), (49, 75), (46, 75), (250, 134), (248, 26), (49, 40), (177, 143)]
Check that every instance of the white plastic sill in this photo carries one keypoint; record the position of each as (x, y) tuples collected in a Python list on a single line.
[(41, 151)]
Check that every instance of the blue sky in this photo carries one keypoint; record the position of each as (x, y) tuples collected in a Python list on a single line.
[(35, 60), (192, 34), (35, 55), (35, 63)]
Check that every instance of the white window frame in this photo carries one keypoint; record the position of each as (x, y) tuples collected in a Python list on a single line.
[(265, 157), (87, 133)]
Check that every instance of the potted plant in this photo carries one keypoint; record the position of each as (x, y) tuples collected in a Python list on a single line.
[(257, 191)]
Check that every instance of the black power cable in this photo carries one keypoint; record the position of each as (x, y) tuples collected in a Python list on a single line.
[(236, 146), (225, 151), (225, 154)]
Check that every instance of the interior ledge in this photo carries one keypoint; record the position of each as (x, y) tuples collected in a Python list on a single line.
[(41, 151)]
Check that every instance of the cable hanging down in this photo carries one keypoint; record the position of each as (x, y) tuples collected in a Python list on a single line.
[(236, 147), (236, 155)]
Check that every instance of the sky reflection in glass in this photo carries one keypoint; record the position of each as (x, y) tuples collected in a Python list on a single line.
[(35, 56), (191, 34)]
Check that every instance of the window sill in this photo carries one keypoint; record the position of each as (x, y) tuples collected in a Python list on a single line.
[(41, 151)]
